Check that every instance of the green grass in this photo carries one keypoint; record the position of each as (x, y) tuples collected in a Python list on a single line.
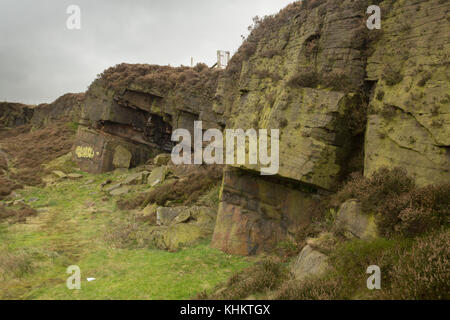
[(67, 231)]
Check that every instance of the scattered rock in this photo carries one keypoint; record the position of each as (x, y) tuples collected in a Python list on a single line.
[(165, 216), (120, 191), (31, 200), (106, 183), (60, 174), (182, 226), (162, 159), (324, 243), (309, 262), (157, 176), (90, 181), (183, 217), (19, 202), (74, 176), (137, 178), (354, 223), (113, 187), (148, 214)]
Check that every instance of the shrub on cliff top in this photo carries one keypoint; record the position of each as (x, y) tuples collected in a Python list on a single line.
[(161, 79)]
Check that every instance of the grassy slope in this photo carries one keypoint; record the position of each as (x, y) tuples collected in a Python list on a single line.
[(69, 231)]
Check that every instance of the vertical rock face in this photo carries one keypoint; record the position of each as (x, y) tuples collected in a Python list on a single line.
[(345, 99), (409, 125), (302, 72), (14, 114), (137, 107), (255, 214), (66, 107)]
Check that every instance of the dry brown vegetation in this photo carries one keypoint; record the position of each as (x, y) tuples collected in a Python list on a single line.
[(200, 79), (262, 28), (17, 215), (186, 190), (423, 272), (17, 264), (264, 276), (29, 149), (401, 207)]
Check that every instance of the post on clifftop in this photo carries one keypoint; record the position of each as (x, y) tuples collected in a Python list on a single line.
[(223, 57)]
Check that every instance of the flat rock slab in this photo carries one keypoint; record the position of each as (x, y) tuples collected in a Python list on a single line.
[(114, 187), (120, 191), (74, 176), (60, 174), (137, 178)]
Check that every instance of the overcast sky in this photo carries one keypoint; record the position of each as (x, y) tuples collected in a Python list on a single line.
[(41, 59)]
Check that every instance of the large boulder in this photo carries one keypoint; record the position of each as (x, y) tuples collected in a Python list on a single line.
[(354, 223), (165, 215), (157, 176), (121, 158), (179, 235), (310, 262)]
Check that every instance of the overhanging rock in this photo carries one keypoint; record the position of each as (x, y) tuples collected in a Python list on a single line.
[(255, 214)]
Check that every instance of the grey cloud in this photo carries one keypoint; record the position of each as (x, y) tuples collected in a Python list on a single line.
[(40, 59)]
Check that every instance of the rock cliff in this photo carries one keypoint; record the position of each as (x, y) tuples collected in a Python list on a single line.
[(345, 99)]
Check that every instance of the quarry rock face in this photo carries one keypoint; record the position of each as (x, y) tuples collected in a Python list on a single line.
[(285, 83), (140, 114), (96, 152), (66, 107), (14, 114), (409, 125), (345, 99), (255, 214)]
